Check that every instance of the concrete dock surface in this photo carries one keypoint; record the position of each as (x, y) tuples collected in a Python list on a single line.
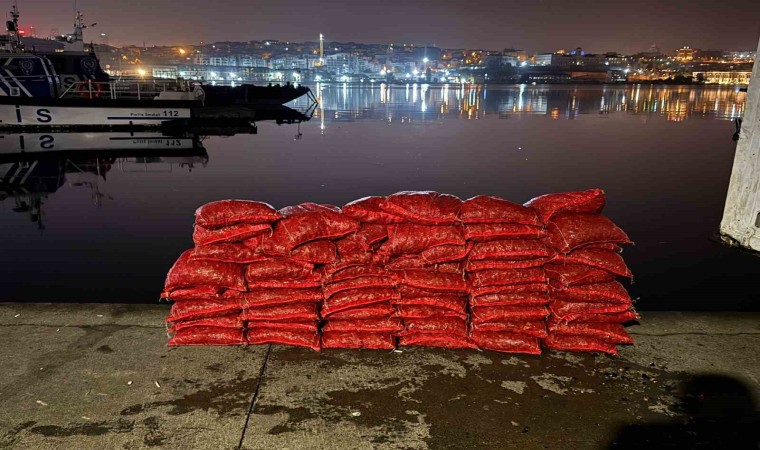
[(97, 376)]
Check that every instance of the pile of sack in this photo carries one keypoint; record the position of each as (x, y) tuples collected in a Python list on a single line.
[(409, 269)]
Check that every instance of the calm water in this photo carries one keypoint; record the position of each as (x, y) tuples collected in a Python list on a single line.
[(105, 228)]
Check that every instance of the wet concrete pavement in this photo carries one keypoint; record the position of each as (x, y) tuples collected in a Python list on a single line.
[(100, 376)]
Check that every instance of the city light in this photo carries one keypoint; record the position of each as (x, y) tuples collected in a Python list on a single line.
[(182, 51), (524, 63), (318, 78), (416, 72), (141, 72), (425, 60)]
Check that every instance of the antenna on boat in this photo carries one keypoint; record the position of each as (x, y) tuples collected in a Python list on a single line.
[(14, 34)]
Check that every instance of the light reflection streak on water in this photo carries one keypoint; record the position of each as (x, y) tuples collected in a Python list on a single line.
[(344, 102)]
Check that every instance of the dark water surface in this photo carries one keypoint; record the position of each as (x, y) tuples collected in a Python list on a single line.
[(111, 228)]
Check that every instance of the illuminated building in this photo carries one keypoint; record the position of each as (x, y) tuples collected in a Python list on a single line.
[(686, 54), (723, 76)]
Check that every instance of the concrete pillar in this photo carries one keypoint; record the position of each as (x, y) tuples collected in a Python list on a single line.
[(741, 216)]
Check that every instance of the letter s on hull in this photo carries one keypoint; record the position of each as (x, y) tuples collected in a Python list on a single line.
[(43, 115)]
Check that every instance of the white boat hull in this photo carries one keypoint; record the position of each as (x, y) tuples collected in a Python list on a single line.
[(76, 116)]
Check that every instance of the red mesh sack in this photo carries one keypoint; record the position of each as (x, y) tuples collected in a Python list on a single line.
[(487, 264), (224, 213), (374, 311), (483, 314), (497, 277), (574, 274), (308, 222), (486, 232), (308, 326), (496, 210), (201, 309), (255, 242), (369, 235), (235, 253), (513, 250), (352, 252), (277, 269), (578, 344), (193, 293), (512, 299), (445, 253), (436, 340), (311, 281), (614, 317), (306, 339), (368, 210), (355, 298), (412, 292), (354, 272), (570, 231), (612, 292), (414, 238), (272, 297), (408, 312), (358, 283), (608, 332), (406, 262), (605, 246), (188, 273), (571, 311), (453, 326), (296, 312), (507, 342), (207, 336), (607, 260), (233, 233), (456, 267), (425, 207), (228, 321), (434, 281), (316, 252), (591, 201), (536, 328), (510, 289), (448, 302), (386, 325), (375, 341)]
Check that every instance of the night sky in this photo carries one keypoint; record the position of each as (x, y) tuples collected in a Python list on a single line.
[(533, 25)]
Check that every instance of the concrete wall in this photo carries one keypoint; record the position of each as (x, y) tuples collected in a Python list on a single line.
[(741, 216)]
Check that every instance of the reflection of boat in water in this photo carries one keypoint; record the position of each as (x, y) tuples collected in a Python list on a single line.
[(37, 164), (47, 162)]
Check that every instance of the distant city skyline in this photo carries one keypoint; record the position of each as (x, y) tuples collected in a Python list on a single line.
[(532, 25)]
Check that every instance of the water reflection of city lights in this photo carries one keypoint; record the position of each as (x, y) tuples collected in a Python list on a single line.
[(388, 102)]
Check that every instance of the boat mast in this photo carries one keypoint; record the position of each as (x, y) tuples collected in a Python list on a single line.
[(14, 36)]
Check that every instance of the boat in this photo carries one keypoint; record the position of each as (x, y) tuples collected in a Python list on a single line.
[(70, 89)]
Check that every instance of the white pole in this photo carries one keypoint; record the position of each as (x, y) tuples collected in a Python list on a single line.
[(741, 216)]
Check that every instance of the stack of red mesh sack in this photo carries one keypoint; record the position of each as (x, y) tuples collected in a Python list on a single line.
[(425, 249), (509, 291), (588, 306), (207, 282), (410, 269), (416, 262), (358, 291)]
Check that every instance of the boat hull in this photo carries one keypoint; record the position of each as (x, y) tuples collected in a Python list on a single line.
[(22, 113)]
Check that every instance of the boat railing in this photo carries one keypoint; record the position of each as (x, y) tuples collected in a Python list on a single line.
[(124, 89)]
